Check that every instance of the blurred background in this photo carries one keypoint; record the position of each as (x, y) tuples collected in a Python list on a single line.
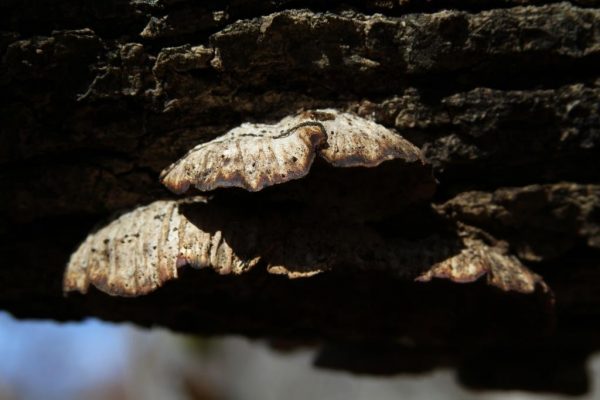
[(98, 360)]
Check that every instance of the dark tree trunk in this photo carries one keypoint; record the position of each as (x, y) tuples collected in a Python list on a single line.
[(502, 96)]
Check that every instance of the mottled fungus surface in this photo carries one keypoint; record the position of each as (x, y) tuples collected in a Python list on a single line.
[(140, 250), (349, 166), (478, 260), (255, 156), (251, 156)]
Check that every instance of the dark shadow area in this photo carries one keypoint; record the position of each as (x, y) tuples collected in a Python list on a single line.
[(331, 305), (350, 194), (536, 368), (305, 239), (381, 358)]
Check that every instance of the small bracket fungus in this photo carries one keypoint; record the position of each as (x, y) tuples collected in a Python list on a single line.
[(142, 249), (254, 156), (477, 259)]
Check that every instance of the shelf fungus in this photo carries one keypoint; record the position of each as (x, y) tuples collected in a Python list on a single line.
[(255, 156), (477, 260), (358, 168), (143, 248)]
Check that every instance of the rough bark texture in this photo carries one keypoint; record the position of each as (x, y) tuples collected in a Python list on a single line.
[(502, 96)]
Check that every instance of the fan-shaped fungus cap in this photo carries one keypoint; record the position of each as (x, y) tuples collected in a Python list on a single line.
[(251, 156), (353, 141), (139, 251), (142, 249), (254, 156), (477, 259)]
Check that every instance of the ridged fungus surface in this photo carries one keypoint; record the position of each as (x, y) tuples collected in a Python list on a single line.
[(255, 156)]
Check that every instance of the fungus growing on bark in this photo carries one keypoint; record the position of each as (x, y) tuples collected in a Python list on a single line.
[(251, 156), (255, 156), (143, 248), (358, 169), (140, 250), (542, 221), (477, 259)]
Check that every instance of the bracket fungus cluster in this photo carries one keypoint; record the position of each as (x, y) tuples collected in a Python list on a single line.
[(299, 198)]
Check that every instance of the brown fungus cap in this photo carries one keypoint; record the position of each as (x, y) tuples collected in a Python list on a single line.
[(255, 156)]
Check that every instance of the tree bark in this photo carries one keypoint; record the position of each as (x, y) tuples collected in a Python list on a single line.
[(502, 96)]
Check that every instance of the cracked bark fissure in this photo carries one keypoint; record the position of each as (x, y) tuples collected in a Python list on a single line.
[(502, 97)]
